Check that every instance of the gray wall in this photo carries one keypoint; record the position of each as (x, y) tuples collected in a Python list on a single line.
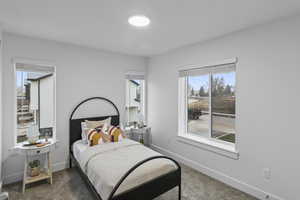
[(80, 73), (268, 97)]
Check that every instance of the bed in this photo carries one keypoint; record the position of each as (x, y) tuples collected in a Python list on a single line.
[(124, 170)]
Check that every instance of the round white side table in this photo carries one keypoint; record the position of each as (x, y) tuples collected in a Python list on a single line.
[(29, 151)]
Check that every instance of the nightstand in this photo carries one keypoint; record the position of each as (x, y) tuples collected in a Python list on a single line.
[(141, 135), (33, 151)]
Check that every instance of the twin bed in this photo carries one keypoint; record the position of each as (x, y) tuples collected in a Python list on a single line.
[(124, 170)]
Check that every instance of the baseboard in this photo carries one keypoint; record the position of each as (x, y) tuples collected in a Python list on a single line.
[(59, 166), (16, 177), (252, 190)]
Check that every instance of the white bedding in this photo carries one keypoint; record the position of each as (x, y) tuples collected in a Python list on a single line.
[(78, 147), (105, 164)]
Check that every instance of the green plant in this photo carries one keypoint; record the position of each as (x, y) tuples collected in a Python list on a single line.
[(34, 163)]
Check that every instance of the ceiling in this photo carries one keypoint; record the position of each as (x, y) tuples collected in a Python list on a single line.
[(102, 24)]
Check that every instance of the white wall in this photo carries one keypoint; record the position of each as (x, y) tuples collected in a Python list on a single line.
[(80, 73), (268, 97), (1, 96)]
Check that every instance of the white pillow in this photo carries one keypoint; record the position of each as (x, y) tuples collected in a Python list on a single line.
[(105, 127), (84, 128), (95, 124)]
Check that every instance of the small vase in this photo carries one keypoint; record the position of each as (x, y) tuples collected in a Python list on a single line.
[(34, 171)]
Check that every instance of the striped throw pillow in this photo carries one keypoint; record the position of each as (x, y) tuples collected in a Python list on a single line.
[(96, 136), (116, 134)]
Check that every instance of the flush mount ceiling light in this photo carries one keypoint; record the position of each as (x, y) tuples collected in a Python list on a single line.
[(139, 21)]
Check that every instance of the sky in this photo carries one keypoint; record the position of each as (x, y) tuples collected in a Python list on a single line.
[(23, 75), (19, 78), (197, 81)]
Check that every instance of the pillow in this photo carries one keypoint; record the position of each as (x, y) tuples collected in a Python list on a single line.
[(105, 127), (97, 124), (116, 134), (96, 137), (84, 130)]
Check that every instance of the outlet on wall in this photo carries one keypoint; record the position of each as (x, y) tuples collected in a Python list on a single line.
[(267, 173)]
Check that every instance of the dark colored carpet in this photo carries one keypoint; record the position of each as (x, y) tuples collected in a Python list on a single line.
[(68, 185)]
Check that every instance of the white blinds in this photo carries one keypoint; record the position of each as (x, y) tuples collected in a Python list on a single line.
[(220, 68), (34, 68), (135, 75)]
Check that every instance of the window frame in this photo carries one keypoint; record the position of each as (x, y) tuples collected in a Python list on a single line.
[(211, 144), (36, 62), (137, 75)]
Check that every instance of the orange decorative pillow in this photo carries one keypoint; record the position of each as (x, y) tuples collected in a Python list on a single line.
[(116, 134), (96, 137)]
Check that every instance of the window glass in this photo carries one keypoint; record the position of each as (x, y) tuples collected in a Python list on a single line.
[(198, 105), (35, 104), (134, 102), (210, 102), (223, 106)]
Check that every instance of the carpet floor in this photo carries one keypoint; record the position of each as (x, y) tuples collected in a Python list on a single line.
[(68, 185)]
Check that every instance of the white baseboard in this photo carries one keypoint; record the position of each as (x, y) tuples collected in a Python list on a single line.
[(16, 177), (252, 190), (59, 166)]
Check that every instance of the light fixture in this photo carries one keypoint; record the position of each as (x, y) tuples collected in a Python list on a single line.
[(139, 21)]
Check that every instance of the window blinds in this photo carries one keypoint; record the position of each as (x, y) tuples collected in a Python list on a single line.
[(135, 76), (34, 68), (217, 68)]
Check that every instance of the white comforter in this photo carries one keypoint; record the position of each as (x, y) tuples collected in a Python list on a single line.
[(105, 164)]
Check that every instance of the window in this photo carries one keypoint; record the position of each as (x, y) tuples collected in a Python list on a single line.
[(207, 103), (35, 99), (135, 99)]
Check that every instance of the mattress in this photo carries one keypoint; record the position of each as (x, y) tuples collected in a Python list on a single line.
[(78, 147), (105, 164)]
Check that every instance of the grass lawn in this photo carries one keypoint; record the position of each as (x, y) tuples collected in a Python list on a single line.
[(228, 138)]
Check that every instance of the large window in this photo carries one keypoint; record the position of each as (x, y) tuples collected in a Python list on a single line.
[(208, 103), (35, 99), (135, 99)]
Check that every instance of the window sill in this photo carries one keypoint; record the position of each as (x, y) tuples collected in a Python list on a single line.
[(220, 148)]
